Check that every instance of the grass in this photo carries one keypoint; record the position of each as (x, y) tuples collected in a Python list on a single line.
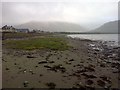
[(22, 35), (53, 43)]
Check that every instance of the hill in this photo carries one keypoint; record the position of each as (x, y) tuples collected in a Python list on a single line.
[(110, 27), (52, 26)]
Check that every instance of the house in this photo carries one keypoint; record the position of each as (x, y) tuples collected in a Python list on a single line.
[(8, 29), (22, 30)]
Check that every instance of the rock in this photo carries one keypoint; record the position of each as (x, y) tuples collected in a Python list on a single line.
[(39, 81), (80, 86), (81, 70), (15, 64), (7, 69), (81, 65), (115, 64), (89, 59), (47, 66), (67, 62), (88, 75), (92, 45), (41, 75), (36, 66), (97, 49), (104, 78), (51, 85), (102, 65), (115, 70), (75, 49), (101, 83), (76, 74), (57, 68), (4, 60), (89, 82), (42, 62), (71, 60), (24, 71), (85, 69), (25, 83), (31, 71), (81, 61), (51, 62), (88, 87), (89, 68), (95, 53), (30, 56), (47, 57), (19, 68)]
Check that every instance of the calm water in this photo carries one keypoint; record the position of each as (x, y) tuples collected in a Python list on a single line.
[(103, 37)]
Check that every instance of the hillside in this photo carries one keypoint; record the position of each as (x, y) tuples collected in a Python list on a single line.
[(110, 27), (52, 26)]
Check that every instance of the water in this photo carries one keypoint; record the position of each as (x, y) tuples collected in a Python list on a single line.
[(103, 37)]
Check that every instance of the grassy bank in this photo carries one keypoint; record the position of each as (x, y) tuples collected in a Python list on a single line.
[(53, 43), (22, 35)]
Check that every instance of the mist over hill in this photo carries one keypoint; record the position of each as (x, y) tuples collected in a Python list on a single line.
[(52, 26), (110, 27)]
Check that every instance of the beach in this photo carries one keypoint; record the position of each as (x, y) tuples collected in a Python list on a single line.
[(85, 64)]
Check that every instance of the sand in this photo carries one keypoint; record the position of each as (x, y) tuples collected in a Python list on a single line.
[(85, 65)]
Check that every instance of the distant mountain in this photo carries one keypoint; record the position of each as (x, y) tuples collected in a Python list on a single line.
[(110, 27), (52, 26)]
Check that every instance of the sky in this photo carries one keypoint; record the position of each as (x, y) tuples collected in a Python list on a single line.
[(88, 13)]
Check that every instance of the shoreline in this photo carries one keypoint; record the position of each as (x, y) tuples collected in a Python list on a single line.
[(88, 64)]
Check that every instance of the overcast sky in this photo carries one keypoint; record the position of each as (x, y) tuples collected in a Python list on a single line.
[(88, 13)]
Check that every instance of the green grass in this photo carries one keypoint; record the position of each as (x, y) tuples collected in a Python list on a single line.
[(52, 43), (22, 35)]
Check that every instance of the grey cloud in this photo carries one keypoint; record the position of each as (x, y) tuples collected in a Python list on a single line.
[(82, 12)]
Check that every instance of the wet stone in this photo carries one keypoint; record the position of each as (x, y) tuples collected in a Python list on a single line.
[(88, 75), (89, 68), (25, 83), (79, 85), (57, 68), (47, 66), (31, 71), (19, 68), (116, 70), (51, 85), (39, 81), (30, 56), (36, 66), (42, 62), (7, 69), (41, 75), (67, 62), (51, 62), (89, 82), (101, 83), (24, 71), (104, 78), (102, 65), (89, 59), (81, 70), (71, 60), (15, 63)]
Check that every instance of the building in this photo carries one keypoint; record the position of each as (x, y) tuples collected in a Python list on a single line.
[(22, 30), (8, 29)]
